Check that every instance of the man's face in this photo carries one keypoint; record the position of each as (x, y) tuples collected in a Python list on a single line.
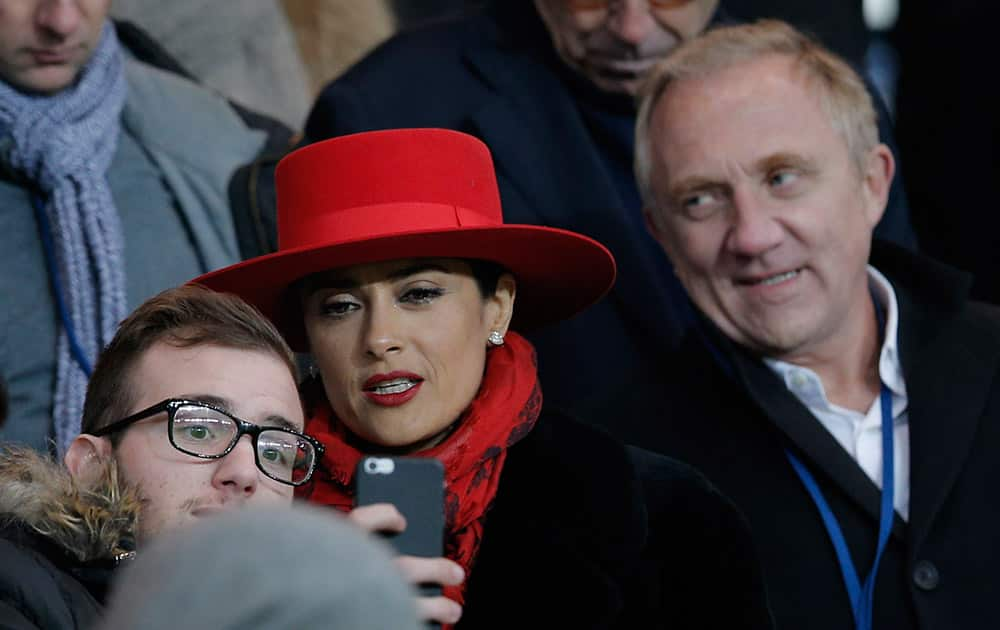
[(614, 43), (179, 488), (45, 43), (766, 218)]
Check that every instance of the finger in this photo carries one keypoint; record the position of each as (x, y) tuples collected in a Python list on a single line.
[(439, 609), (378, 517), (431, 570)]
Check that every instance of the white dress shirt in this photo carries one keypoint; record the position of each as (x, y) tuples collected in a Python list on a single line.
[(861, 433)]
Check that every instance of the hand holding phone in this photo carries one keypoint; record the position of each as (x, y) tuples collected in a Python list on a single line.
[(415, 489)]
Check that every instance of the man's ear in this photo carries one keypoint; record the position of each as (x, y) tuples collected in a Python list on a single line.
[(86, 456), (877, 180)]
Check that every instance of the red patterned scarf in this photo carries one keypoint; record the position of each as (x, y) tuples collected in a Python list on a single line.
[(503, 412)]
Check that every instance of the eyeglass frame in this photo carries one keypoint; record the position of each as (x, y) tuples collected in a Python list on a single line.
[(171, 405)]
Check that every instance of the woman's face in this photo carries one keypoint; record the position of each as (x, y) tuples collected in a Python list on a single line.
[(401, 345)]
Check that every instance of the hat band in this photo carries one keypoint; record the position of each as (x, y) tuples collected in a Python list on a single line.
[(375, 221)]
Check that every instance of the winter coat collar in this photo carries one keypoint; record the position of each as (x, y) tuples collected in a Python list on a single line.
[(80, 528)]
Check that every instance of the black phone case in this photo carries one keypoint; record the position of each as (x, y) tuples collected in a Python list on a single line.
[(415, 485)]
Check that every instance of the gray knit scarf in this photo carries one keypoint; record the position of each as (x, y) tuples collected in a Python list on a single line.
[(64, 144)]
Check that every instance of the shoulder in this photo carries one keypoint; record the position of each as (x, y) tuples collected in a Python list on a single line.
[(424, 48), (37, 592), (418, 78)]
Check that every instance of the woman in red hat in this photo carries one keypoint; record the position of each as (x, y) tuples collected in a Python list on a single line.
[(396, 272)]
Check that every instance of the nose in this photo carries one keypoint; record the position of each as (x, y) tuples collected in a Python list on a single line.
[(59, 18), (633, 21), (754, 229), (236, 474), (381, 336)]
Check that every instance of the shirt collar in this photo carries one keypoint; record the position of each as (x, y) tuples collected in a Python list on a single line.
[(889, 367)]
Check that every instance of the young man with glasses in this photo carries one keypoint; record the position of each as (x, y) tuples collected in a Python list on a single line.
[(192, 411)]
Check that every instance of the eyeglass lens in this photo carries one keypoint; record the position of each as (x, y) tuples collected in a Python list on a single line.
[(204, 431)]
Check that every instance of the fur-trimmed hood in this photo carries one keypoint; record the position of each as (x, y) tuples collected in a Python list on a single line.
[(89, 524)]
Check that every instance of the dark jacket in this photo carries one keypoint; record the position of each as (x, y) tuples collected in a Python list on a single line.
[(495, 75), (59, 545), (586, 533), (732, 417)]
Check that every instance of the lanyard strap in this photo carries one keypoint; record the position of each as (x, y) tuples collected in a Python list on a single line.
[(862, 596)]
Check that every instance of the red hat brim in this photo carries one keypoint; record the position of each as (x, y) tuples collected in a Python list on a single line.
[(558, 272)]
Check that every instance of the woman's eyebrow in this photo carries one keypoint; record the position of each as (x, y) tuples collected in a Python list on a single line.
[(346, 282), (415, 269)]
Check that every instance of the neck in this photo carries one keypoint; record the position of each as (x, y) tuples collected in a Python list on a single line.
[(404, 449), (848, 369)]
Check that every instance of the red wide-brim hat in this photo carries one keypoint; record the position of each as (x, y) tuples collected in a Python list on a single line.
[(409, 193)]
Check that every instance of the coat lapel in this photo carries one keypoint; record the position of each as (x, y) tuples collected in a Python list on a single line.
[(821, 452)]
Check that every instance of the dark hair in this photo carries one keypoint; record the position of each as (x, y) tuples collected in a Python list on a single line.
[(185, 316), (487, 274)]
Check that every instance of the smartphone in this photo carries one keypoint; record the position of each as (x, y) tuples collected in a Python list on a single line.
[(415, 485)]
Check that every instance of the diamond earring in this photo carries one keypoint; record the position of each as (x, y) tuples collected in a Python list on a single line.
[(495, 338)]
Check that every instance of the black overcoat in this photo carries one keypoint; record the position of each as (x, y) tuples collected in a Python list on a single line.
[(586, 533)]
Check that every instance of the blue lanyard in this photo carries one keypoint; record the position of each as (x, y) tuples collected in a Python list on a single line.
[(862, 595)]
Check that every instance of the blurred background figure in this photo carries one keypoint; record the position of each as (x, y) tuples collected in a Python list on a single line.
[(115, 183), (273, 55), (247, 52), (333, 34), (254, 569)]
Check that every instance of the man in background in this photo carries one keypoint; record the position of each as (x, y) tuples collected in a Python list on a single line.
[(114, 179)]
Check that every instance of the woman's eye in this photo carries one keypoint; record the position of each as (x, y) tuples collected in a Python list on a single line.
[(337, 308), (421, 295)]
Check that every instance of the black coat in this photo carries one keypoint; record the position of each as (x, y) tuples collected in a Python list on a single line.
[(938, 569), (495, 75), (42, 588), (586, 533)]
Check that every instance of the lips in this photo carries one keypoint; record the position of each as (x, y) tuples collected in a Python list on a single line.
[(52, 56), (770, 279), (392, 389)]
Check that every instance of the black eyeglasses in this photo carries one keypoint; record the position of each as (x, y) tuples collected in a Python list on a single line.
[(202, 430)]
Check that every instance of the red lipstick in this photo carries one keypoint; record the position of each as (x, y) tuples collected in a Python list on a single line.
[(392, 389)]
